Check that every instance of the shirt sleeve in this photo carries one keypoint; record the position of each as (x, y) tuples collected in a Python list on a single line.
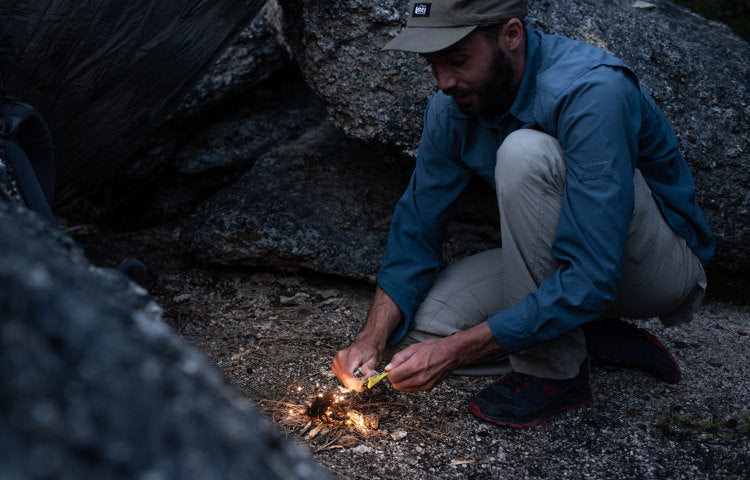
[(596, 121), (421, 217)]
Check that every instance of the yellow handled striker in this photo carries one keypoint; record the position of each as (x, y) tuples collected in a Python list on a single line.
[(373, 378)]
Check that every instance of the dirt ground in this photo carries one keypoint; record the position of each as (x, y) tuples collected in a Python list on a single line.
[(274, 334)]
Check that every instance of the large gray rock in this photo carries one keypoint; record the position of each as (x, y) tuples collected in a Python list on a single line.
[(214, 156), (94, 385), (319, 203), (697, 70), (254, 56), (322, 203)]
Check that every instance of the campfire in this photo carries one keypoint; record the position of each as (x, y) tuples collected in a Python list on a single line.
[(340, 416)]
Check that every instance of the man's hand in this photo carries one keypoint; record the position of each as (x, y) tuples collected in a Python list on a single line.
[(368, 346), (359, 354), (421, 366), (418, 367)]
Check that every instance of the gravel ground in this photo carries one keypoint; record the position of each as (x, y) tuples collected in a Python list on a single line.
[(274, 334)]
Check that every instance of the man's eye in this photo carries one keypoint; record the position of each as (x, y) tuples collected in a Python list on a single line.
[(457, 61)]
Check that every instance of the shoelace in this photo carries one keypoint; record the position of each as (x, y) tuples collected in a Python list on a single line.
[(620, 361), (516, 381)]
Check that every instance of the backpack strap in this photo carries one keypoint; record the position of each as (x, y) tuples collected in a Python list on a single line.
[(27, 143)]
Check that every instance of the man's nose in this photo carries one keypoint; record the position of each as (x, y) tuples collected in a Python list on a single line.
[(445, 78)]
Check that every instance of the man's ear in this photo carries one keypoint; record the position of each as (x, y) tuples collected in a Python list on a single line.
[(512, 34)]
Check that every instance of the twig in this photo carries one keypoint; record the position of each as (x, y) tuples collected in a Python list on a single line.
[(329, 443), (456, 463), (279, 403)]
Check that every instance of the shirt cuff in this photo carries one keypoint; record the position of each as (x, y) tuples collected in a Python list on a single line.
[(507, 328)]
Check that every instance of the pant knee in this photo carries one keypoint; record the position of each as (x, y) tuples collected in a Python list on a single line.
[(529, 154)]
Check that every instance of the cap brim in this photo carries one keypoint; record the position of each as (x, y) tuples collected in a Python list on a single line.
[(428, 39)]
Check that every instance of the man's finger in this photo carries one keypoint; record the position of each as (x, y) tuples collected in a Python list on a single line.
[(400, 358)]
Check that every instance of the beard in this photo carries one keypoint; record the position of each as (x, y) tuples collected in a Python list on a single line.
[(494, 93)]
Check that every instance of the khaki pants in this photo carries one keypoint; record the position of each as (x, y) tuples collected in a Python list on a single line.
[(660, 274)]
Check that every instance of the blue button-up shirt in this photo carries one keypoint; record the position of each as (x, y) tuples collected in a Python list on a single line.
[(607, 125)]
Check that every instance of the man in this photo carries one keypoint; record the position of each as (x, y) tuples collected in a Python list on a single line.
[(598, 220)]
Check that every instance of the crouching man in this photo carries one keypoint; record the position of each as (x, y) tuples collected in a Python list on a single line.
[(598, 220)]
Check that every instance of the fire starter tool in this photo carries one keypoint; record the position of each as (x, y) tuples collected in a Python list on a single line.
[(373, 378)]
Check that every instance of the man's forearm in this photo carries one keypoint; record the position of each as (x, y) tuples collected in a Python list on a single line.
[(473, 344), (367, 349), (382, 319), (423, 365), (466, 347)]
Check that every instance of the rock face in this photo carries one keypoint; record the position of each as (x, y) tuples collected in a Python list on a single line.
[(288, 209), (254, 55), (697, 71), (213, 156), (251, 58), (94, 385), (322, 203)]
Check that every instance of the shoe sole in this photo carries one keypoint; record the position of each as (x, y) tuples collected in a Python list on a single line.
[(605, 360), (522, 423), (657, 342)]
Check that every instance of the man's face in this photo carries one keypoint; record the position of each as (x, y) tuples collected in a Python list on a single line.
[(476, 73)]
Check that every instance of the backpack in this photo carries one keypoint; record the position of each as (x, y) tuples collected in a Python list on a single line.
[(26, 144)]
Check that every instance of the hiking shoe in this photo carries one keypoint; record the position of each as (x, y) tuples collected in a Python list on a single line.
[(520, 400), (616, 343)]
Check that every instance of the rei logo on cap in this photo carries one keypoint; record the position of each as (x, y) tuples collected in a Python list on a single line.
[(422, 9)]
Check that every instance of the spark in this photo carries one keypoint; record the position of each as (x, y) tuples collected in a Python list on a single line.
[(333, 407)]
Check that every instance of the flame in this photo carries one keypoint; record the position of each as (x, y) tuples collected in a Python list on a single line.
[(355, 418), (334, 407)]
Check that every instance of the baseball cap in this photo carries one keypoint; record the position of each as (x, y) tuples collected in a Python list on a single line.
[(435, 25)]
